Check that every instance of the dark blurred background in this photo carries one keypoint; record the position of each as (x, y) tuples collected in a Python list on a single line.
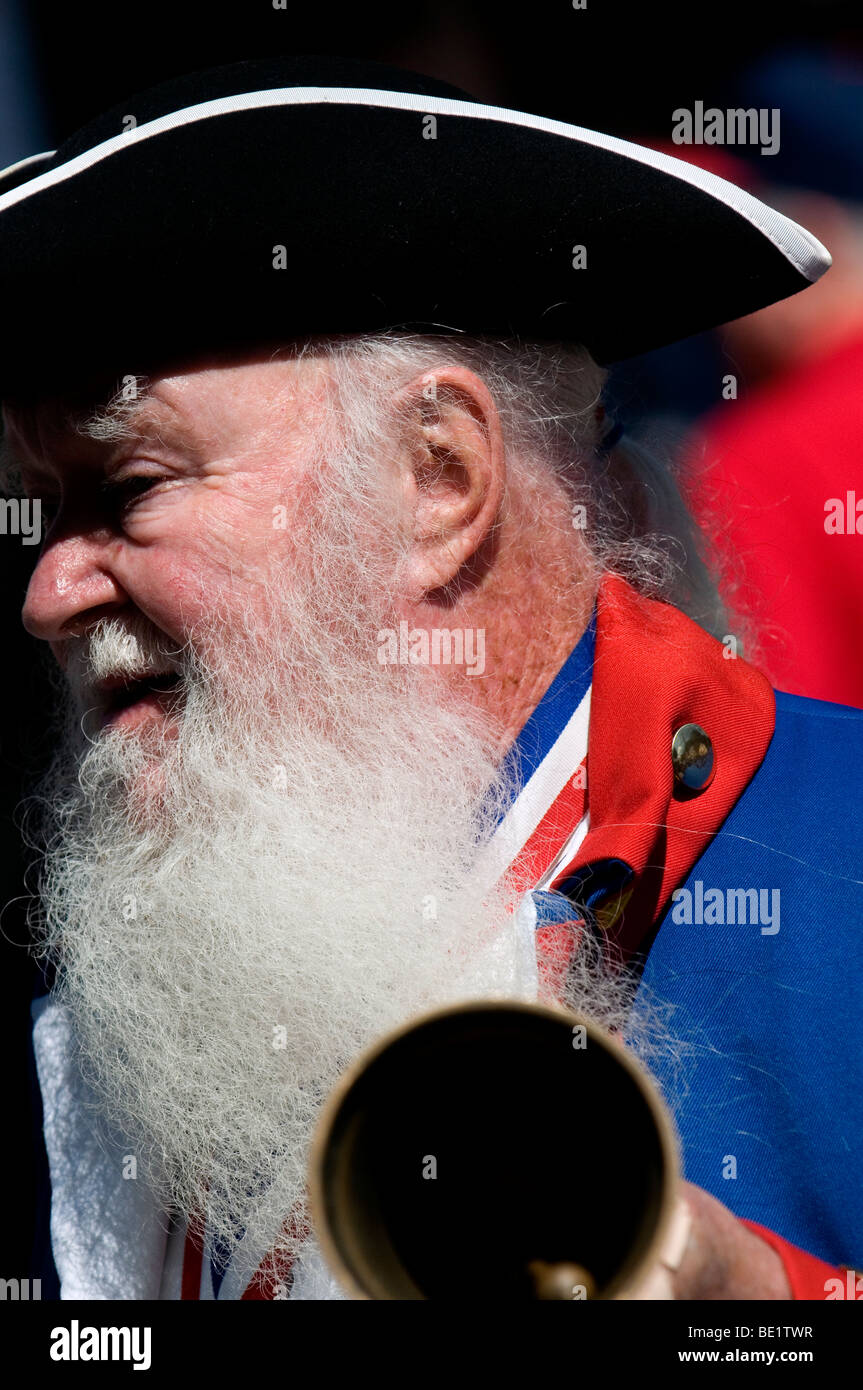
[(615, 66)]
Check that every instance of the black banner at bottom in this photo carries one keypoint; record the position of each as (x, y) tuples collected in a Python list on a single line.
[(57, 1340)]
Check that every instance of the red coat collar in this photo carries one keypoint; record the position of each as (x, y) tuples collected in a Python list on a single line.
[(654, 671)]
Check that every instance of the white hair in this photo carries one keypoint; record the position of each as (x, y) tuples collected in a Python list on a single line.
[(548, 396)]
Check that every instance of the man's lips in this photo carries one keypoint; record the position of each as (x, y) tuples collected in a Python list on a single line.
[(121, 697)]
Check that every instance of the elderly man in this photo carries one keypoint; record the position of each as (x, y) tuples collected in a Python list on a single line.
[(391, 678)]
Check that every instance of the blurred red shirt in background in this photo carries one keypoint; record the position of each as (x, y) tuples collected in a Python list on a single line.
[(777, 482), (775, 475)]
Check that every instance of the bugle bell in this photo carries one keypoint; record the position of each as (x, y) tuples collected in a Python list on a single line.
[(494, 1150)]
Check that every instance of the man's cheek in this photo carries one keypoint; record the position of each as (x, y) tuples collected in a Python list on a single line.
[(174, 586), (246, 538)]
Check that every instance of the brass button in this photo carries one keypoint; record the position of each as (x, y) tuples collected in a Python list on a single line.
[(692, 758)]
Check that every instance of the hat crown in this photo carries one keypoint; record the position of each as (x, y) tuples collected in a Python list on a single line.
[(244, 207)]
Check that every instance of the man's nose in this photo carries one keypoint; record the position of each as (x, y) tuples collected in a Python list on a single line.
[(72, 581)]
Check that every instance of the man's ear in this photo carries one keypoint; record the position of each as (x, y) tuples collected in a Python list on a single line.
[(455, 472)]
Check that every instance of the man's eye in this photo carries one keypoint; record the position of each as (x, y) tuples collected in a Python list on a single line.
[(122, 493)]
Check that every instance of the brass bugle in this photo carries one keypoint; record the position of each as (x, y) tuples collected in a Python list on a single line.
[(494, 1150)]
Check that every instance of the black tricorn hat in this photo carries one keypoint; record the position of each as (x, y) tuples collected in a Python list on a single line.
[(280, 198)]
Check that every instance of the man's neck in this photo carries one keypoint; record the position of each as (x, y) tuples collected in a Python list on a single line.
[(532, 604)]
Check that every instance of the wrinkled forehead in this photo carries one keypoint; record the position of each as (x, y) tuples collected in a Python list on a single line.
[(188, 397)]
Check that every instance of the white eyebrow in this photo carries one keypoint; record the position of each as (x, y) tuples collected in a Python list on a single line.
[(117, 420)]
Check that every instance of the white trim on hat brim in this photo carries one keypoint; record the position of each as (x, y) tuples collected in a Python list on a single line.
[(799, 247), (23, 163)]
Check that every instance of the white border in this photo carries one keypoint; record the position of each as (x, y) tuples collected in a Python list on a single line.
[(22, 163), (800, 248)]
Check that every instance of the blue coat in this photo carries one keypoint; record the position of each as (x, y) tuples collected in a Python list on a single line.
[(776, 1017)]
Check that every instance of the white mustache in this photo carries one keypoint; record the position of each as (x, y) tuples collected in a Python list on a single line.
[(118, 648)]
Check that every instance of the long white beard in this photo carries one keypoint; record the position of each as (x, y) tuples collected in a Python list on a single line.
[(238, 910)]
